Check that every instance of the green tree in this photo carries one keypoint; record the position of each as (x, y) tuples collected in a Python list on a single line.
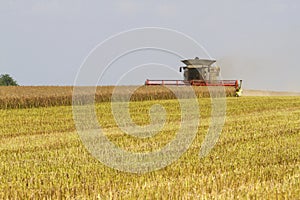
[(6, 80)]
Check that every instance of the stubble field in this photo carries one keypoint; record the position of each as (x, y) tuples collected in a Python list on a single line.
[(257, 155)]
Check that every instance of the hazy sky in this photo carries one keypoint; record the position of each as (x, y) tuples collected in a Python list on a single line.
[(44, 42)]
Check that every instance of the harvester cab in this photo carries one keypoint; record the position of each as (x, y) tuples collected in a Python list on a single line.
[(199, 69)]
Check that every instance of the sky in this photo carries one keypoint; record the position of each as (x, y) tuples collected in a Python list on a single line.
[(45, 42)]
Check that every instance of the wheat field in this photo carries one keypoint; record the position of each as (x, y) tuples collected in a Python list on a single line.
[(43, 96), (256, 157)]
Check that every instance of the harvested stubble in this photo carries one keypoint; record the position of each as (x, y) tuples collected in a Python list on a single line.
[(44, 96), (256, 157)]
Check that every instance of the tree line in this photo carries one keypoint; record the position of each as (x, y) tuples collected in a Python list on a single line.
[(7, 80)]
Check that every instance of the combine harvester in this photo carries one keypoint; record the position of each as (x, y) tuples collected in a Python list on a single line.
[(199, 72)]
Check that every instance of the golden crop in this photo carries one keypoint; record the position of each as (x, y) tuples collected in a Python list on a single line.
[(256, 157), (43, 96)]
